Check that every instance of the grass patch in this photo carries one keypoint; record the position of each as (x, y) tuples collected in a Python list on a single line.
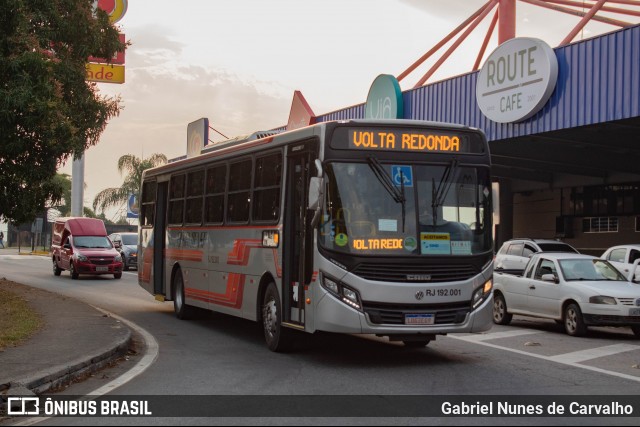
[(18, 321)]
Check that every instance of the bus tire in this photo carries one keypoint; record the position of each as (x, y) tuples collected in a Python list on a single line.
[(278, 339), (182, 309)]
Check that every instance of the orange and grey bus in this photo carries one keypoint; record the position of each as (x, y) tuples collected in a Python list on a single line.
[(358, 227)]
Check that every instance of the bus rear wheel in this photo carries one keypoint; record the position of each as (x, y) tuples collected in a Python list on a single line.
[(182, 310), (278, 339)]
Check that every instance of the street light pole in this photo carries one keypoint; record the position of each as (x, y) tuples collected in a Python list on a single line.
[(77, 187)]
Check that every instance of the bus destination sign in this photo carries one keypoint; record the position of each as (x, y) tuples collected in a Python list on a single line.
[(406, 140)]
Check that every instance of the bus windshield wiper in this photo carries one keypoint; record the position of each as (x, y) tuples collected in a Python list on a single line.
[(439, 194), (398, 195)]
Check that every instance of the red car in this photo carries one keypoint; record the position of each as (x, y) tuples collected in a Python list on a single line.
[(81, 246)]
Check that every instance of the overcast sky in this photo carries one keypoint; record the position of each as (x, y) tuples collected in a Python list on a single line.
[(238, 63)]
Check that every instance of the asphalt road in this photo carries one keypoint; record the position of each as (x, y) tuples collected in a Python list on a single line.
[(220, 355)]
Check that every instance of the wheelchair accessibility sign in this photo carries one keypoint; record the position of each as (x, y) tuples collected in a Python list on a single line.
[(402, 173)]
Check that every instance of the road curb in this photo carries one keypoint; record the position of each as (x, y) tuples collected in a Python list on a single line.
[(64, 374)]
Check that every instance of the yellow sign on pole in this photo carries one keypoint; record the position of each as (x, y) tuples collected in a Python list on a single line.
[(105, 73)]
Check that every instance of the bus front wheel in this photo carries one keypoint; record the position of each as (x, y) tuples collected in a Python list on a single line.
[(278, 338), (182, 310)]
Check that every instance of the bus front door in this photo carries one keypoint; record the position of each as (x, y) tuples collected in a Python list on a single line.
[(298, 250)]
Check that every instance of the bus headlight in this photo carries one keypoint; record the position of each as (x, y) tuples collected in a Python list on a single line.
[(481, 294), (342, 292)]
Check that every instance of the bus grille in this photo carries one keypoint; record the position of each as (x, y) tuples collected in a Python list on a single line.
[(405, 273), (392, 314)]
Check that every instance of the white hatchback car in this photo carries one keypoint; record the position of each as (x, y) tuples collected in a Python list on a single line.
[(514, 254), (572, 289), (623, 258)]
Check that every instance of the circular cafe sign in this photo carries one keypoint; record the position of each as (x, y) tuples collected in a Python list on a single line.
[(517, 80)]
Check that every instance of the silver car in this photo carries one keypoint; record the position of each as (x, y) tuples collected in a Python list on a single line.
[(575, 290), (127, 245)]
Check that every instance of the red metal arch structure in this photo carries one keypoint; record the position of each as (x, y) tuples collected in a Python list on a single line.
[(504, 18)]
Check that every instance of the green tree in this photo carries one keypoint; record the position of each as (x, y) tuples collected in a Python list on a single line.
[(133, 166), (48, 111)]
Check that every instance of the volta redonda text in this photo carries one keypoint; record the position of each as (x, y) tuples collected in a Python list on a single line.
[(377, 244), (403, 141)]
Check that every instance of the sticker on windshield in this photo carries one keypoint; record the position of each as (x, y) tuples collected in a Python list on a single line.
[(410, 244), (342, 239), (461, 247), (388, 225), (402, 174), (435, 243)]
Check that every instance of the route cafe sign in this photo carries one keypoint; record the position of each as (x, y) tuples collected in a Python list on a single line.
[(517, 80)]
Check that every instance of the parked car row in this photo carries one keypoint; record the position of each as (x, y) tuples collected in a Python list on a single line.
[(575, 290), (81, 246)]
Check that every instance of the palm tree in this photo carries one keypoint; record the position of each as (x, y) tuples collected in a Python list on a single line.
[(133, 166)]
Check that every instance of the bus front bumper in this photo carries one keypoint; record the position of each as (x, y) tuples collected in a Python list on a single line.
[(333, 315)]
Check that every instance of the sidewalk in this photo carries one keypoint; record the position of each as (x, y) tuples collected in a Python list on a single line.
[(76, 339)]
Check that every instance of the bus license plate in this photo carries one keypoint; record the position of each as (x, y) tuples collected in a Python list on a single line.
[(419, 319), (101, 269), (634, 312)]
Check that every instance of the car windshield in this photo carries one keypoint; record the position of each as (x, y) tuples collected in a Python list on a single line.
[(97, 242), (130, 239), (589, 269), (373, 208)]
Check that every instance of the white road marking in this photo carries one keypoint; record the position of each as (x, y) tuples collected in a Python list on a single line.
[(594, 353), (150, 356), (498, 335), (551, 358)]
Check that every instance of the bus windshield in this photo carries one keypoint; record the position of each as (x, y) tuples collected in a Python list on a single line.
[(378, 208)]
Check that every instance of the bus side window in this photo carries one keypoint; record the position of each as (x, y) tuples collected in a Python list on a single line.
[(176, 199), (195, 194), (266, 190), (216, 186), (239, 198)]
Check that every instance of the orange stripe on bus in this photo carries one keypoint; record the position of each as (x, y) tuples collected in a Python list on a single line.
[(183, 254), (231, 298)]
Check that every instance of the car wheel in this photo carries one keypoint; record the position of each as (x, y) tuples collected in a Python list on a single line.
[(117, 275), (636, 330), (500, 314), (182, 310), (416, 344), (125, 267), (73, 271), (56, 270), (278, 339), (573, 322)]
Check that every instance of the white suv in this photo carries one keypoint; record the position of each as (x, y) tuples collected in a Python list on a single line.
[(514, 254)]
